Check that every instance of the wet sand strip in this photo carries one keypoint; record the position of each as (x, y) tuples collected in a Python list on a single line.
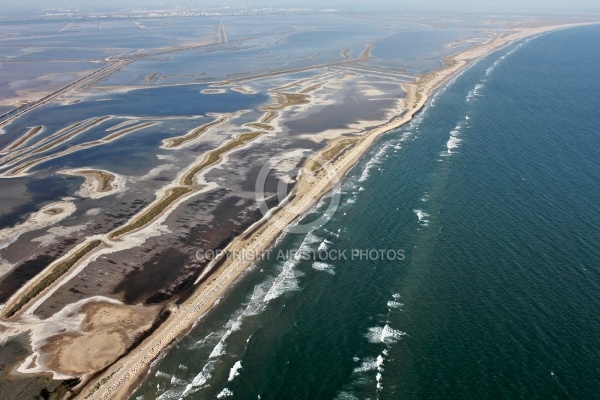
[(22, 150), (366, 54), (152, 77), (72, 134), (28, 135), (20, 169), (215, 156), (397, 74), (152, 212), (125, 131), (268, 117), (242, 89), (122, 124), (233, 81), (60, 140), (196, 132), (57, 271), (311, 88), (302, 82)]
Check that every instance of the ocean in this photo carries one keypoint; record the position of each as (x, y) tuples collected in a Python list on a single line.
[(486, 209)]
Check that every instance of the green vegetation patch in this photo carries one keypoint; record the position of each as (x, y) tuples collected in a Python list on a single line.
[(153, 212), (287, 99), (260, 125), (214, 156), (333, 152), (59, 270), (178, 141)]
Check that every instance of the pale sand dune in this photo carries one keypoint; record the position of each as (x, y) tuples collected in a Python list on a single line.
[(83, 337)]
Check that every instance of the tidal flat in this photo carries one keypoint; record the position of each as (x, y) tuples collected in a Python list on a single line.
[(159, 156)]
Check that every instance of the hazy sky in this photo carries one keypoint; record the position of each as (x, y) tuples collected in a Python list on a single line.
[(549, 5)]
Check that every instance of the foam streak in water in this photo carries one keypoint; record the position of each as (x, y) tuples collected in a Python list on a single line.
[(235, 370), (384, 334), (321, 266)]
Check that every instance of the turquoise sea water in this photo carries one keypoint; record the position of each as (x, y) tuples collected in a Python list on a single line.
[(493, 194)]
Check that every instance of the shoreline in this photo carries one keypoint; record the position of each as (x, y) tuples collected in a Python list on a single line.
[(122, 378), (97, 183)]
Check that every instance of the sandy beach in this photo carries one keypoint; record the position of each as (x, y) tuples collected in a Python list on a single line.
[(120, 379)]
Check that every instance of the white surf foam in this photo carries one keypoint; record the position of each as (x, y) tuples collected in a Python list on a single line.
[(379, 362), (346, 396), (321, 266), (453, 143), (170, 394), (256, 304), (422, 216), (385, 334), (160, 374), (225, 393), (235, 370), (286, 281), (349, 186), (375, 161), (324, 245), (368, 364), (499, 61), (394, 304), (201, 379), (405, 136), (389, 335), (351, 200), (219, 349), (475, 92)]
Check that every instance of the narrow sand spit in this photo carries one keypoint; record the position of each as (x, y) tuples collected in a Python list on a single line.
[(189, 137), (22, 169), (123, 124), (243, 89), (119, 380), (36, 130), (53, 140), (213, 91), (98, 183)]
